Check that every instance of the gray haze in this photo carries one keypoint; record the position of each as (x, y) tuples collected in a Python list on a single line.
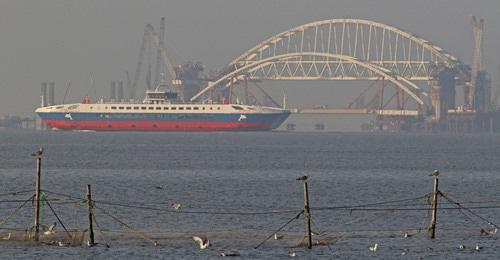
[(62, 40)]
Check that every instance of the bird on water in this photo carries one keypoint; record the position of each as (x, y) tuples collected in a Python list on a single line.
[(229, 253), (202, 242)]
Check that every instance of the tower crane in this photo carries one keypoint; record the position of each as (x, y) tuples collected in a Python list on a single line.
[(151, 36), (477, 58)]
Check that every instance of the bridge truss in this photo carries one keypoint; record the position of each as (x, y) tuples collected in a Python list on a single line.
[(342, 49)]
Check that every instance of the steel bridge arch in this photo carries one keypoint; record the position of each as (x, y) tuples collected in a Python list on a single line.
[(378, 70), (405, 54)]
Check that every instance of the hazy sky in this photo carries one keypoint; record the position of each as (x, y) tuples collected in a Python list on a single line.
[(62, 40)]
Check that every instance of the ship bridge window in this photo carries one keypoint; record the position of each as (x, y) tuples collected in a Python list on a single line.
[(218, 108), (135, 108), (128, 108), (188, 108), (113, 107), (158, 108), (203, 108), (91, 107), (120, 107), (181, 108), (196, 108), (165, 108), (143, 108), (237, 107), (151, 108), (211, 108), (174, 108)]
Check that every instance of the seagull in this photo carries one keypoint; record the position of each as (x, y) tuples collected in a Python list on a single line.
[(60, 243), (292, 254), (405, 251), (90, 244), (461, 247), (277, 237), (38, 153), (435, 173), (176, 206), (407, 235), (50, 229), (7, 237), (204, 243), (373, 248), (242, 117), (229, 253), (302, 178), (477, 248), (493, 230)]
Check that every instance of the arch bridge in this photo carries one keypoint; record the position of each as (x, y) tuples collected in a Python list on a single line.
[(352, 49)]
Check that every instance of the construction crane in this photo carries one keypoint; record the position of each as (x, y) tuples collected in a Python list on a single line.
[(138, 67), (495, 104), (158, 43), (161, 45), (477, 59)]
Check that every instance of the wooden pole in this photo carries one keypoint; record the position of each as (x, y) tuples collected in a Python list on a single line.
[(307, 216), (37, 197), (432, 228), (90, 215)]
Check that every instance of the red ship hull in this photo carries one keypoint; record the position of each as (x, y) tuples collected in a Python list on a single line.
[(158, 126)]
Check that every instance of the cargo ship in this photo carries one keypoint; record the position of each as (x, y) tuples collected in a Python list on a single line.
[(161, 110)]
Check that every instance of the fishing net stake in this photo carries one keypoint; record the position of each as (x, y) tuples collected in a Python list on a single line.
[(90, 215), (432, 227)]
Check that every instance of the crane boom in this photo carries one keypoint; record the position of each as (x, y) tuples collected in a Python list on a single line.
[(477, 59), (166, 61), (139, 62), (161, 45)]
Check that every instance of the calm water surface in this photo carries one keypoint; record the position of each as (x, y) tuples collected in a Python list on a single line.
[(255, 173)]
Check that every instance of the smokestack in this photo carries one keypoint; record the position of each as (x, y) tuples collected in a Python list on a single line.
[(44, 94), (112, 94), (120, 90), (52, 87)]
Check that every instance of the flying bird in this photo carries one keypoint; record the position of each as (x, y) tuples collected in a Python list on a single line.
[(203, 243), (50, 229), (176, 206), (435, 173), (38, 153), (373, 248), (302, 178)]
